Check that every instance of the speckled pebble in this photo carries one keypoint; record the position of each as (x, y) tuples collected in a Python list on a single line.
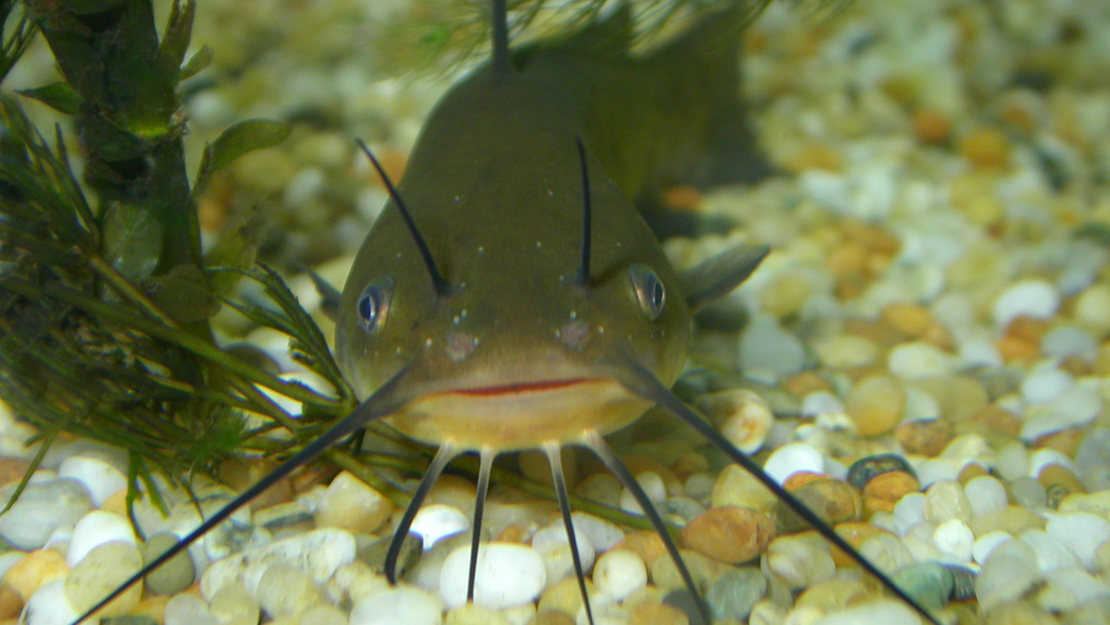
[(734, 594), (831, 500), (284, 590), (173, 576), (319, 553), (865, 469), (887, 489), (732, 535), (100, 572)]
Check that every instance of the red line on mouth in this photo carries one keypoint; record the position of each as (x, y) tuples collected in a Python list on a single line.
[(523, 387)]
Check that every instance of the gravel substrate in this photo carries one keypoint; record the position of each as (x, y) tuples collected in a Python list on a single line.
[(926, 361)]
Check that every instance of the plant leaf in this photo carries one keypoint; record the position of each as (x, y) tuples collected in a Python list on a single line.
[(246, 136), (57, 95), (194, 64)]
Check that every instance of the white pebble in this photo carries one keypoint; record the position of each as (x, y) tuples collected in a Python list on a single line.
[(1083, 533), (985, 494), (41, 509), (1051, 553), (1045, 383), (48, 606), (399, 604), (508, 574), (284, 590), (799, 561), (1046, 456), (1004, 578), (619, 573), (348, 503), (920, 406), (908, 512), (319, 553), (768, 351), (1038, 299), (820, 403), (1080, 585), (919, 359), (1068, 341), (1012, 461), (98, 475), (955, 539), (945, 501), (95, 529), (438, 521), (789, 459), (552, 545), (652, 486), (940, 469), (749, 422), (603, 535), (987, 543)]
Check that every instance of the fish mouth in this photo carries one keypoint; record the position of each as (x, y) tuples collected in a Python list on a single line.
[(520, 414)]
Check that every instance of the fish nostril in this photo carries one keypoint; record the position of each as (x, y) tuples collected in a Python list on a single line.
[(460, 345), (575, 334)]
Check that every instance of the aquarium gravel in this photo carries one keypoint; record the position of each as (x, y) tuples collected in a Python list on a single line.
[(926, 357)]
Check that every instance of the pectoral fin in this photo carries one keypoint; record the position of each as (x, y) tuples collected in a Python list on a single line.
[(719, 275)]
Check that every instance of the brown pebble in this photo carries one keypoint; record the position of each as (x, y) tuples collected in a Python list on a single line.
[(831, 500), (804, 383), (924, 437), (1065, 441), (12, 470), (11, 604), (815, 156), (855, 533), (552, 617), (1015, 350), (35, 569), (644, 543), (931, 126), (655, 613), (875, 404), (799, 479), (971, 471), (911, 319), (682, 197), (887, 489), (985, 148), (728, 534), (998, 419)]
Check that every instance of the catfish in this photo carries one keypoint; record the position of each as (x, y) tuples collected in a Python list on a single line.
[(510, 296)]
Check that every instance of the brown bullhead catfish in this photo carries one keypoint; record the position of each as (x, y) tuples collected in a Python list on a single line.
[(510, 296)]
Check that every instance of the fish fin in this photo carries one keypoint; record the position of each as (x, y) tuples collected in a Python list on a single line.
[(720, 274), (329, 295)]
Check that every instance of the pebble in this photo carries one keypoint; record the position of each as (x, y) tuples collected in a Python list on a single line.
[(1051, 554), (736, 487), (233, 603), (885, 551), (731, 535), (348, 503), (735, 593), (94, 529), (655, 613), (508, 575), (928, 582), (791, 458), (189, 610), (95, 470), (767, 351), (876, 404), (800, 560), (41, 509), (652, 485), (319, 553), (323, 614), (552, 545), (49, 606), (742, 417), (399, 604), (438, 521), (946, 500), (565, 597), (987, 543), (173, 576), (703, 570), (35, 570), (886, 490), (1081, 532), (924, 437), (954, 539), (618, 573), (1005, 577), (100, 572), (846, 351), (1037, 299), (471, 614), (833, 501), (1028, 493), (985, 494), (284, 590)]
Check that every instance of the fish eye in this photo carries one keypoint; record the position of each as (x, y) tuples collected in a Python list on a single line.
[(373, 304), (650, 293)]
